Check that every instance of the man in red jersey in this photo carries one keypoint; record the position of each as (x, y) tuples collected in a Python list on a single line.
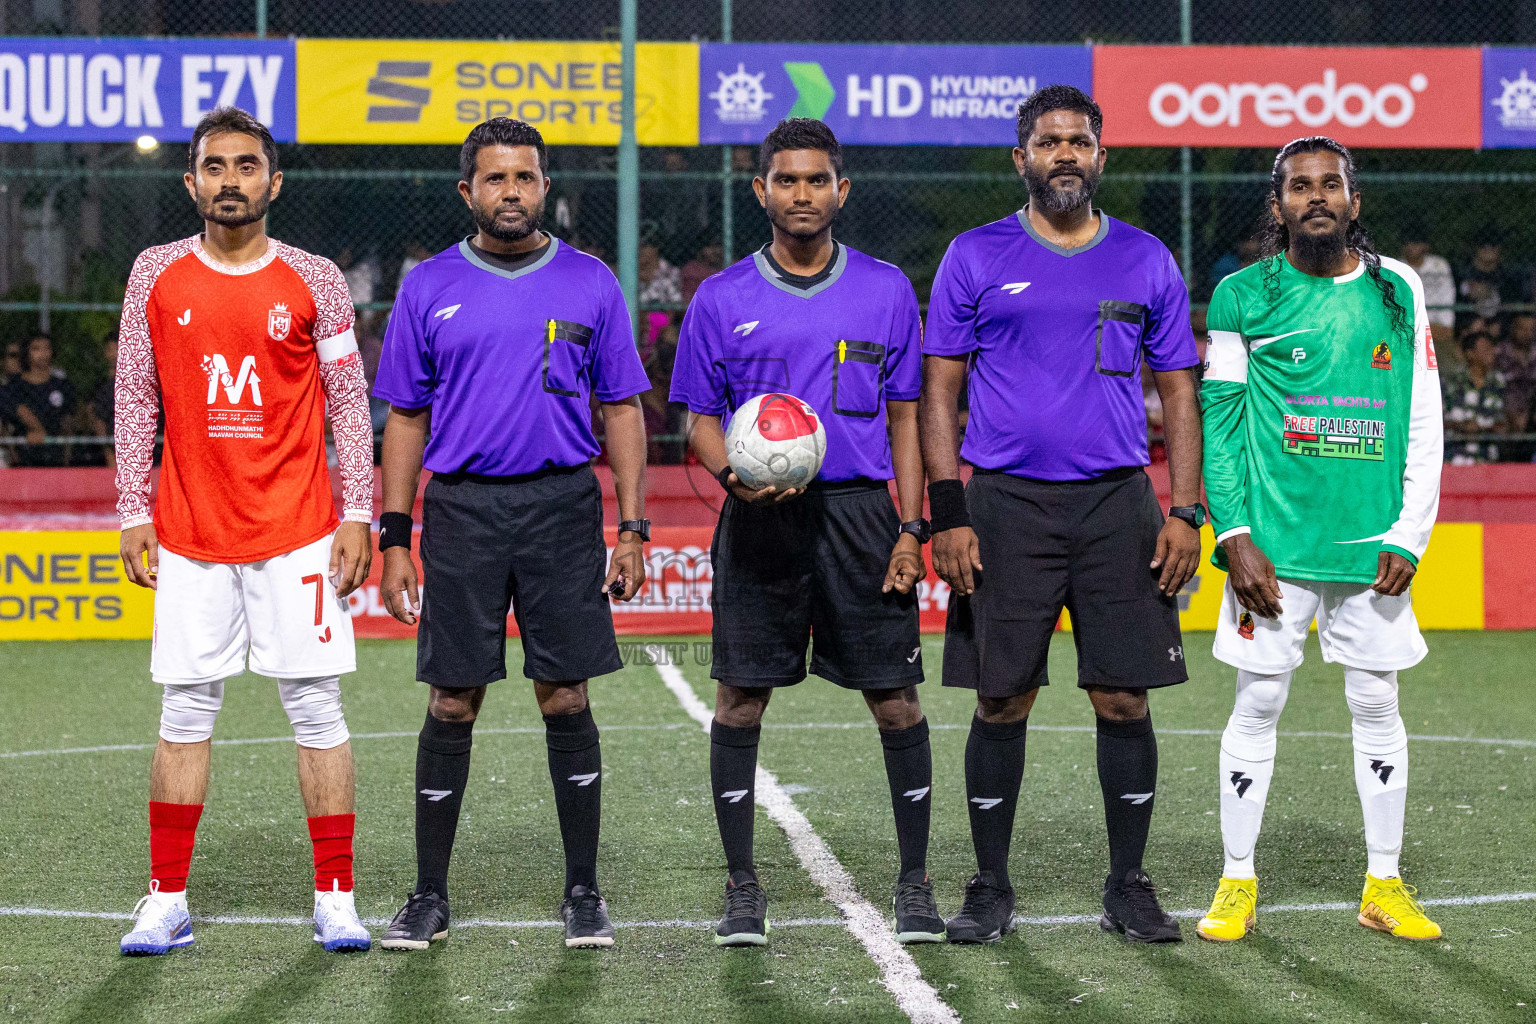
[(246, 341)]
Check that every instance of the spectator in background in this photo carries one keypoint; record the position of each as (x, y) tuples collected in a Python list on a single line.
[(709, 261), (45, 403), (663, 417), (99, 415), (1245, 254), (1516, 360), (362, 282), (1474, 402), (415, 253), (1439, 288), (660, 282), (10, 369), (1486, 283)]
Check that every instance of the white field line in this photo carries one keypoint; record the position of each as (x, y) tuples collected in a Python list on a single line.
[(801, 922), (942, 727), (898, 971)]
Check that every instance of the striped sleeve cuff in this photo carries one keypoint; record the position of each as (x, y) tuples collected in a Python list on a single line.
[(1232, 533)]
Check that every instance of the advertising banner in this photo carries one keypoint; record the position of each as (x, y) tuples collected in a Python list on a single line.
[(1509, 98), (115, 90), (435, 91), (1398, 97), (879, 95), (69, 585)]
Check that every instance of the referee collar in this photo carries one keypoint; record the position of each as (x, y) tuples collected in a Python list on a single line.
[(839, 264), (1098, 237), (510, 275)]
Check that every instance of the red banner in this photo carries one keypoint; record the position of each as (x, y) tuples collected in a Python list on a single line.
[(1398, 97), (675, 598)]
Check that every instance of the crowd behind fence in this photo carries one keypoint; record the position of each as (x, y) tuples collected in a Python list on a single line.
[(74, 215)]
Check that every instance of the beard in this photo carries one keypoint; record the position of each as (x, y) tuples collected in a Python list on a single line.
[(486, 220), (1048, 199), (248, 212), (799, 231), (1318, 250)]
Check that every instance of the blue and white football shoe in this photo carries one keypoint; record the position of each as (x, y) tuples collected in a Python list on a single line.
[(160, 924), (336, 925)]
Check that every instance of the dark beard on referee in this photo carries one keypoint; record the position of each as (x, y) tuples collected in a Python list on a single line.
[(1049, 198), (508, 222)]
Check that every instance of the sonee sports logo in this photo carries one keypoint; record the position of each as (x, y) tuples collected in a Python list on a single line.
[(1241, 782), (1016, 287), (986, 803), (916, 794), (733, 796), (1136, 799)]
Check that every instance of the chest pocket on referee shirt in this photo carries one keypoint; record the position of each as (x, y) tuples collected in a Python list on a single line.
[(1118, 340), (858, 378), (565, 356)]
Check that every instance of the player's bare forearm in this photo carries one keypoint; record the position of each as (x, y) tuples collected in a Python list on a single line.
[(906, 458), (1181, 432), (624, 427), (405, 439), (938, 418)]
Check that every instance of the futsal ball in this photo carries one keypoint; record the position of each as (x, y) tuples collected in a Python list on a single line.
[(775, 440)]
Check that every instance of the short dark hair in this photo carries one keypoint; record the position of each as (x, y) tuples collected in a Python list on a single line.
[(799, 133), (500, 131), (227, 120), (1058, 97)]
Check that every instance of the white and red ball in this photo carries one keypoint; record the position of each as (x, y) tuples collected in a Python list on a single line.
[(775, 440)]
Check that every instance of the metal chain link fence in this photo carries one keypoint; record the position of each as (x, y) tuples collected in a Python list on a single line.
[(73, 216)]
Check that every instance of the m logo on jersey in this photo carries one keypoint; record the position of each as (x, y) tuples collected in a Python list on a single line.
[(279, 322), (1381, 356), (217, 369)]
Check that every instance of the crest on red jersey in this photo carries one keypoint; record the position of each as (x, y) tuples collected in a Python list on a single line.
[(279, 322)]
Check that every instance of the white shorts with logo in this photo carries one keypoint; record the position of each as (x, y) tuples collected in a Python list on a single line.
[(283, 609), (1357, 627)]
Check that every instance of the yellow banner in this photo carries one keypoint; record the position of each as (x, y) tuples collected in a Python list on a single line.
[(435, 91), (69, 585)]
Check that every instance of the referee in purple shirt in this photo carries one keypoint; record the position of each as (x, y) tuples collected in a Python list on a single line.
[(495, 349), (1053, 309)]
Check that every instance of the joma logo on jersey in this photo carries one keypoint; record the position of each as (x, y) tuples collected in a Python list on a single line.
[(217, 368), (279, 322)]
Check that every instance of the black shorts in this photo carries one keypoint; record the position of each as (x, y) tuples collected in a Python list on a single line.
[(811, 570), (1082, 544), (534, 543)]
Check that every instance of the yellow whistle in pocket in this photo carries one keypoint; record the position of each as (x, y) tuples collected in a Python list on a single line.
[(842, 351)]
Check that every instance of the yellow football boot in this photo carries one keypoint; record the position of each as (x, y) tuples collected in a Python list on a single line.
[(1231, 913), (1387, 904)]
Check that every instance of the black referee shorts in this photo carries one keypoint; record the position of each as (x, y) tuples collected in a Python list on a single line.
[(1082, 544), (811, 569), (534, 543)]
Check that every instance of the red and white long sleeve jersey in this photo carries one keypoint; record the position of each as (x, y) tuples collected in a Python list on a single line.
[(245, 360)]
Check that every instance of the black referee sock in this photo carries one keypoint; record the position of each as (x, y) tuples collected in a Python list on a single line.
[(732, 772), (576, 769), (909, 770), (994, 767), (1128, 776), (442, 771)]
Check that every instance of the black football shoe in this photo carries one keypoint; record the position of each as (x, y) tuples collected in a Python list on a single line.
[(987, 913), (917, 915), (746, 912), (422, 921), (585, 914), (1131, 908)]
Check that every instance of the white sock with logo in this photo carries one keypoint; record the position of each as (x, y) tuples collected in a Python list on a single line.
[(1247, 764), (1381, 764)]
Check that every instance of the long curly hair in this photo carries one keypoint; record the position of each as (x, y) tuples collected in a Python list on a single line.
[(1275, 238)]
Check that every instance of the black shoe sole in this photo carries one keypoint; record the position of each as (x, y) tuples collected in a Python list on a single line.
[(1113, 926)]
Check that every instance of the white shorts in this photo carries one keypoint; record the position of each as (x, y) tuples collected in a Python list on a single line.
[(1357, 627), (284, 609)]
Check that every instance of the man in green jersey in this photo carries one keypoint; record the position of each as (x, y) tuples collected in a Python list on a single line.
[(1323, 446)]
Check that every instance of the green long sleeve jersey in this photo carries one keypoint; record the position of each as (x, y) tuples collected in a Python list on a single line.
[(1323, 434)]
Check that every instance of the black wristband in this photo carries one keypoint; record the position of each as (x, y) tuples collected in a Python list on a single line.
[(395, 530), (724, 477), (946, 505)]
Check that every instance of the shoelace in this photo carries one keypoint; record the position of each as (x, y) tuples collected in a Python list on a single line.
[(138, 908), (1141, 896), (915, 898), (1397, 898), (744, 900), (1232, 899), (587, 911), (417, 907), (980, 900)]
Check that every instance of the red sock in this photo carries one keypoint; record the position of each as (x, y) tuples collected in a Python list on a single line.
[(172, 831), (332, 836)]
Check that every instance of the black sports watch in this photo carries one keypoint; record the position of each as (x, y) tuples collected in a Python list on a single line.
[(1194, 514), (919, 528), (640, 526)]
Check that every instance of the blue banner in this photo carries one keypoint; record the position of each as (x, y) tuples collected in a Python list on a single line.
[(115, 90), (1509, 98), (879, 95)]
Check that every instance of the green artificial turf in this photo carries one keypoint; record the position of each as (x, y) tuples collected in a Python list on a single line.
[(73, 837)]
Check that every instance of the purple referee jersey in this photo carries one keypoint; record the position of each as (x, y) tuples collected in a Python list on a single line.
[(846, 345), (508, 360), (1057, 338)]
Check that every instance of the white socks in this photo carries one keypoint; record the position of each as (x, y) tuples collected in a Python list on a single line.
[(1381, 764), (1247, 764)]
